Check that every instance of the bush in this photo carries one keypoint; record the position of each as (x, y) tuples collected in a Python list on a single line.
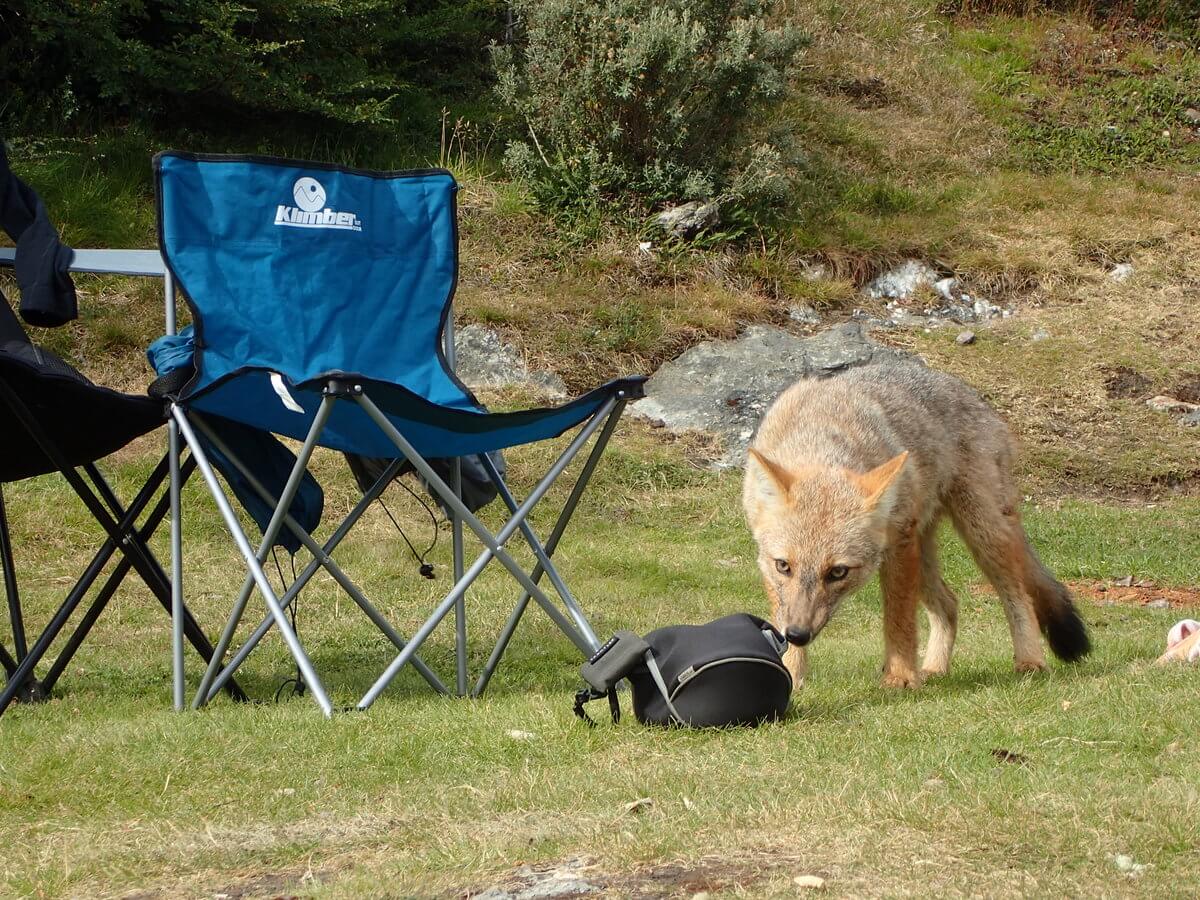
[(202, 62), (641, 102)]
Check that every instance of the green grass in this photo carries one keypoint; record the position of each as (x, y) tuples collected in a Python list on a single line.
[(981, 143), (104, 790)]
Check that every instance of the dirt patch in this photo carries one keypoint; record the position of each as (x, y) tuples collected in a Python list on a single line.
[(1124, 382), (864, 93), (1187, 389), (688, 879), (580, 877), (276, 885), (1135, 593), (1125, 592)]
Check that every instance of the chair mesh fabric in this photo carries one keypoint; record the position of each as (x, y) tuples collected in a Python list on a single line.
[(298, 272)]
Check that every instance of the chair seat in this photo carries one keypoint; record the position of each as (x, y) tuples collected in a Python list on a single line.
[(84, 421), (252, 397)]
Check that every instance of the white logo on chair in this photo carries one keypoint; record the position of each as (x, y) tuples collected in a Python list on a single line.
[(309, 194), (310, 210)]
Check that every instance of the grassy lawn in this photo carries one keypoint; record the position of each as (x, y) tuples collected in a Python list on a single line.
[(104, 790), (1028, 155)]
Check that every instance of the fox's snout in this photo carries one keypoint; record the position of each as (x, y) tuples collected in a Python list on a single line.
[(799, 637)]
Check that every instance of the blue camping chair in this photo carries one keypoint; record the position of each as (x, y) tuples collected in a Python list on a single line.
[(321, 300)]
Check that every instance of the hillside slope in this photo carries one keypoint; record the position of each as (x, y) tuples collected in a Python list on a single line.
[(1026, 156)]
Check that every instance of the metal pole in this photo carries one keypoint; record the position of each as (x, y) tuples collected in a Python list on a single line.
[(564, 517), (492, 543), (321, 557), (256, 570), (543, 559), (10, 584), (177, 661), (456, 533), (295, 477)]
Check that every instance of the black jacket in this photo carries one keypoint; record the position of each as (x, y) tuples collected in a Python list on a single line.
[(47, 292)]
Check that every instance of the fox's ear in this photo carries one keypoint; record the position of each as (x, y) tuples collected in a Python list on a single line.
[(774, 480), (877, 483)]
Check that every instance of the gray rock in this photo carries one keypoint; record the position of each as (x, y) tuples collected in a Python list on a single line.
[(1040, 335), (562, 880), (688, 219), (1191, 420), (724, 387), (803, 314), (1163, 403), (483, 360), (1159, 603), (903, 281), (1192, 116), (1120, 272), (948, 288), (902, 318), (965, 337)]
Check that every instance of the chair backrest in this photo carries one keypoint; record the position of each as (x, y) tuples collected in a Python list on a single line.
[(307, 270)]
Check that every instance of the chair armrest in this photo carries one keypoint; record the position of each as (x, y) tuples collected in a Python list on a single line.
[(107, 262)]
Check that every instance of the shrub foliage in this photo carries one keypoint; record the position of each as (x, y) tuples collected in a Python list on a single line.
[(644, 101)]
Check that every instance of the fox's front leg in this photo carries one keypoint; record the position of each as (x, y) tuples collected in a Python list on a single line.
[(794, 658), (900, 578)]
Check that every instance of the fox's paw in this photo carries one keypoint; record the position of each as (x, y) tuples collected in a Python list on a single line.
[(1031, 665), (909, 679)]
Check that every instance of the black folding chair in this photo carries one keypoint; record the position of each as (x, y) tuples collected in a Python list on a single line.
[(52, 418)]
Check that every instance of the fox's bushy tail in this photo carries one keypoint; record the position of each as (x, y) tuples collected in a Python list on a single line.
[(1056, 614)]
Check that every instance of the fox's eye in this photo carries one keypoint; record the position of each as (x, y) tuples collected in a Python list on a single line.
[(837, 573), (782, 567)]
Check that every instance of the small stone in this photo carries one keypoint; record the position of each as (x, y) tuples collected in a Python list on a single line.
[(804, 314), (1191, 420), (1159, 603), (1192, 115), (902, 318), (1125, 863), (965, 337), (903, 281), (946, 288), (1120, 272), (518, 735), (1163, 403), (1040, 335), (688, 219), (809, 882)]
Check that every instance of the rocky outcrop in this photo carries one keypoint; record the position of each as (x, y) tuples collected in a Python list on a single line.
[(724, 387)]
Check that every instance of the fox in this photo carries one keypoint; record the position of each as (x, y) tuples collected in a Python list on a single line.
[(852, 474)]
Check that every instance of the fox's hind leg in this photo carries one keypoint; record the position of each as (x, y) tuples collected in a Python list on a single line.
[(941, 605), (986, 515)]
